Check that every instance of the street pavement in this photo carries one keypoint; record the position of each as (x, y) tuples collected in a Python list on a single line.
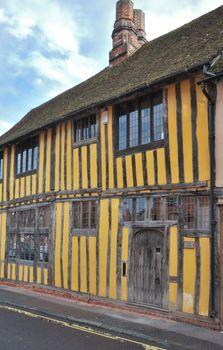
[(50, 322)]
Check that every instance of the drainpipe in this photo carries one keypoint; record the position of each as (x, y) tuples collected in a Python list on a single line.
[(211, 107)]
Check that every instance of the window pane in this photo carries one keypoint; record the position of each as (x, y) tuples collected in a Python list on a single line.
[(35, 157), (93, 127), (122, 132), (18, 163), (189, 212), (145, 125), (140, 209), (24, 155), (133, 128), (43, 248), (85, 215), (12, 246), (158, 122), (77, 215), (30, 153), (93, 214), (155, 208), (203, 212), (127, 209), (27, 245), (1, 168), (171, 208), (85, 129)]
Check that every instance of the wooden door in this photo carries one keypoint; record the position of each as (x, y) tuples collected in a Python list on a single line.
[(147, 268)]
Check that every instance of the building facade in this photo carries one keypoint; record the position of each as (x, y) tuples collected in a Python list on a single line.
[(108, 190)]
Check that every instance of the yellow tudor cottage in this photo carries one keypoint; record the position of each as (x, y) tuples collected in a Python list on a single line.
[(114, 188)]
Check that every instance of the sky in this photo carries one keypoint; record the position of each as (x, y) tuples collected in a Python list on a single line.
[(48, 46)]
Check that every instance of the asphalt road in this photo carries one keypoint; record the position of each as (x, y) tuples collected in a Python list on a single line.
[(21, 331)]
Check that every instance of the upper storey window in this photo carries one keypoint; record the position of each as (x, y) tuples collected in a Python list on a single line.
[(1, 166), (85, 129), (140, 123), (27, 156)]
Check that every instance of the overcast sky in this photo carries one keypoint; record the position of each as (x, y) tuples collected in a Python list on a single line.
[(48, 46)]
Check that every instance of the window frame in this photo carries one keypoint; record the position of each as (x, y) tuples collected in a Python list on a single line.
[(24, 148), (125, 109), (86, 230), (90, 139)]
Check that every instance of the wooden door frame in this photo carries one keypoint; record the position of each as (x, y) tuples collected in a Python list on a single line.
[(164, 230)]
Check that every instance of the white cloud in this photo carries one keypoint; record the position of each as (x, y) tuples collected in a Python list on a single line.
[(4, 126)]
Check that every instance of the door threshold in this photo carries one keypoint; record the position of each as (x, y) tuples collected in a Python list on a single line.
[(149, 307)]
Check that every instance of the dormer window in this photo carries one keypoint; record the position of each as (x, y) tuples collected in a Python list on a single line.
[(140, 123), (27, 156)]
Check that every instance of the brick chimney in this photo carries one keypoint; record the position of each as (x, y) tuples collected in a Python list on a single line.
[(129, 31)]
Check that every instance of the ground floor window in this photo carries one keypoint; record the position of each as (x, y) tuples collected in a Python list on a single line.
[(192, 211), (85, 215)]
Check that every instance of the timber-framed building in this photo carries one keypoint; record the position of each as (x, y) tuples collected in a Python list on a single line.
[(114, 189)]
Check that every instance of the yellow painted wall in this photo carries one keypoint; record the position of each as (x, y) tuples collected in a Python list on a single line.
[(189, 276)]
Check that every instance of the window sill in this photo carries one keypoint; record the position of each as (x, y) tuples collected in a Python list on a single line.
[(140, 148), (84, 142), (84, 232)]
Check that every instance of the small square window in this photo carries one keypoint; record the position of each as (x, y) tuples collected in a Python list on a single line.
[(127, 209), (85, 215), (85, 129), (140, 209)]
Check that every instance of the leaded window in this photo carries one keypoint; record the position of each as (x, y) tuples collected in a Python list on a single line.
[(140, 123), (140, 209), (127, 209), (85, 129), (27, 156), (189, 211), (85, 215), (203, 212), (1, 166), (155, 208)]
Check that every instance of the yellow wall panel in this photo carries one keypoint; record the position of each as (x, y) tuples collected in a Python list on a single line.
[(3, 235), (173, 296), (12, 172), (92, 266), (66, 230), (76, 169), (204, 276), (28, 185), (173, 265), (31, 279), (93, 166), (9, 271), (74, 264), (5, 178), (139, 169), (48, 159), (57, 159), (57, 268), (202, 136), (172, 130), (119, 172), (39, 275), (124, 280), (25, 277), (22, 187), (1, 192), (69, 155), (83, 265), (103, 246), (20, 272), (187, 131), (62, 157), (161, 166), (150, 167), (2, 274), (45, 276), (41, 160), (110, 149), (84, 167), (34, 184), (113, 249), (189, 276), (103, 155), (13, 272), (129, 172)]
